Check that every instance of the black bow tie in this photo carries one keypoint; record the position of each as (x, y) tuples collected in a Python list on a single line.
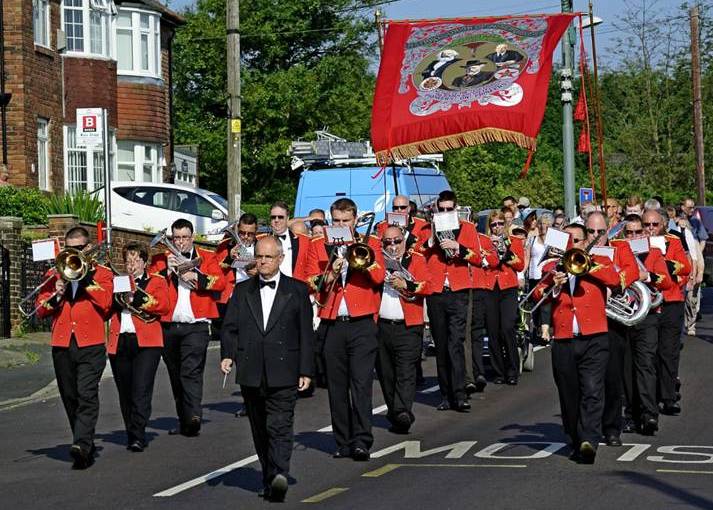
[(272, 284), (282, 236), (187, 254)]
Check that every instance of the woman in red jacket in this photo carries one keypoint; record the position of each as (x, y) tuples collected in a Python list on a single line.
[(136, 341), (501, 313)]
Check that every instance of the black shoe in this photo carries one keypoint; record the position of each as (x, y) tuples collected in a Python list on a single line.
[(462, 406), (193, 428), (512, 381), (403, 421), (574, 456), (587, 452), (498, 380), (264, 492), (137, 447), (470, 388), (612, 440), (241, 413), (342, 453), (278, 489), (480, 384), (360, 454), (649, 426), (671, 409), (443, 406), (629, 426), (82, 458)]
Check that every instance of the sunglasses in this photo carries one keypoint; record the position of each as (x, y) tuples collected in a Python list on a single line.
[(652, 224), (243, 233), (446, 209), (497, 224), (596, 231), (277, 217), (399, 207), (389, 242), (577, 240), (630, 232)]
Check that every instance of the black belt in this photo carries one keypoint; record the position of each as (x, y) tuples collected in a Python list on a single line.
[(392, 321), (185, 324), (347, 318), (127, 334)]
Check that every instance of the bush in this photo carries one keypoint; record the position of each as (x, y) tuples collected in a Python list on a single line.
[(262, 211), (30, 204), (87, 207)]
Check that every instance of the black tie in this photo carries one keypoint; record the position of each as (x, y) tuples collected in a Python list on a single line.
[(270, 284), (187, 254), (282, 236)]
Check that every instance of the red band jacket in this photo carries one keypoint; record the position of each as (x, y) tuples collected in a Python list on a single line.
[(679, 267), (504, 271)]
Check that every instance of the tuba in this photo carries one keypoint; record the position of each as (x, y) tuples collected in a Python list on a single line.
[(631, 306)]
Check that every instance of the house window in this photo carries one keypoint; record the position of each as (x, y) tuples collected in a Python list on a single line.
[(88, 27), (84, 166), (43, 153), (138, 43), (138, 162), (41, 22)]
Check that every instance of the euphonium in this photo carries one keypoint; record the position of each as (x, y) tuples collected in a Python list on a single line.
[(631, 306)]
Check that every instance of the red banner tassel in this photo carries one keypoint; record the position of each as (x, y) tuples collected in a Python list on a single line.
[(526, 168), (379, 172)]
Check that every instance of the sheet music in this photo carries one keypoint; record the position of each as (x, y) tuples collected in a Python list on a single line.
[(444, 221)]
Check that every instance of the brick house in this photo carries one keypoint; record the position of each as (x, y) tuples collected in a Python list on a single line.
[(61, 55)]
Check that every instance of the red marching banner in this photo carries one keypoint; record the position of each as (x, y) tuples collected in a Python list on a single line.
[(445, 84)]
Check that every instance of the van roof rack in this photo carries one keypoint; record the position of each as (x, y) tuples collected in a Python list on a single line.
[(329, 150)]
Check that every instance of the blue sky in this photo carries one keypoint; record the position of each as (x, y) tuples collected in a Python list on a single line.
[(609, 10)]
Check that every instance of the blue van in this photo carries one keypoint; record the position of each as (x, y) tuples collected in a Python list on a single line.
[(371, 188)]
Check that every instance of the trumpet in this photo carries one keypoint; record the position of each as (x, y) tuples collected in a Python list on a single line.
[(71, 265), (185, 264)]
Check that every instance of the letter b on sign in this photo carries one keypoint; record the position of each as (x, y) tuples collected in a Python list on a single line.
[(89, 123)]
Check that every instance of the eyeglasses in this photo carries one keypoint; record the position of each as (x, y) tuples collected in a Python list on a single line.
[(399, 207), (576, 240), (497, 224), (596, 231), (446, 209), (389, 242), (277, 217), (652, 224), (79, 247), (265, 257), (631, 232), (243, 233)]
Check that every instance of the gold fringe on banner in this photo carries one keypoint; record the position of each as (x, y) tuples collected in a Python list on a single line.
[(445, 143)]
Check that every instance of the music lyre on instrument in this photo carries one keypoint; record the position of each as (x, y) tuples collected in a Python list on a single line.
[(246, 258)]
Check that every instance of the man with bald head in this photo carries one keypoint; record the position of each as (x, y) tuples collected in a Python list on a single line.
[(267, 334), (417, 230)]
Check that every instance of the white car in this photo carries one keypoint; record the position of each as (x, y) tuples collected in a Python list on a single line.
[(150, 207)]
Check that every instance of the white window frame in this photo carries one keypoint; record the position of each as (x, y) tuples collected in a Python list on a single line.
[(155, 159), (41, 22), (43, 154), (153, 34), (93, 157), (104, 9)]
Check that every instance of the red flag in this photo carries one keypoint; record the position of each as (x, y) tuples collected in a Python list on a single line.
[(445, 84), (580, 112), (584, 146)]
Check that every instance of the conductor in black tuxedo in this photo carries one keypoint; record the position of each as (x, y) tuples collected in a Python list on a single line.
[(267, 334)]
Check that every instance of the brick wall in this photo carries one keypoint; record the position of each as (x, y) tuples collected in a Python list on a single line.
[(33, 76), (10, 239), (89, 83), (142, 111)]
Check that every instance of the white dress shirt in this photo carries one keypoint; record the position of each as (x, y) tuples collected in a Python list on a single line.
[(343, 311), (267, 297), (391, 305), (183, 311), (575, 324), (286, 265), (127, 322)]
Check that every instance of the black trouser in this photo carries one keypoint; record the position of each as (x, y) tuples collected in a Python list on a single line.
[(134, 371), (271, 412), (396, 362), (184, 352), (543, 313), (669, 350), (640, 370), (477, 333), (578, 365), (320, 370), (501, 317), (614, 380), (446, 313), (78, 371), (350, 355)]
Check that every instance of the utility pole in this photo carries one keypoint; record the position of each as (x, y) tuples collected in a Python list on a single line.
[(567, 122), (697, 108), (232, 16)]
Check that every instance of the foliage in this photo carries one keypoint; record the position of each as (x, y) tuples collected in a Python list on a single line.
[(30, 204), (309, 64), (262, 211), (82, 204)]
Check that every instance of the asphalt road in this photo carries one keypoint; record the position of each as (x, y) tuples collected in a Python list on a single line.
[(508, 453)]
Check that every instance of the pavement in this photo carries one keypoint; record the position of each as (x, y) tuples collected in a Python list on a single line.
[(508, 453)]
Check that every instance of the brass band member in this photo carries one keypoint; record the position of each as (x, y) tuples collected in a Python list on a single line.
[(671, 319), (400, 327), (500, 301), (135, 345), (416, 233), (235, 259), (580, 348), (192, 283), (350, 300), (294, 246), (78, 310), (642, 338)]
